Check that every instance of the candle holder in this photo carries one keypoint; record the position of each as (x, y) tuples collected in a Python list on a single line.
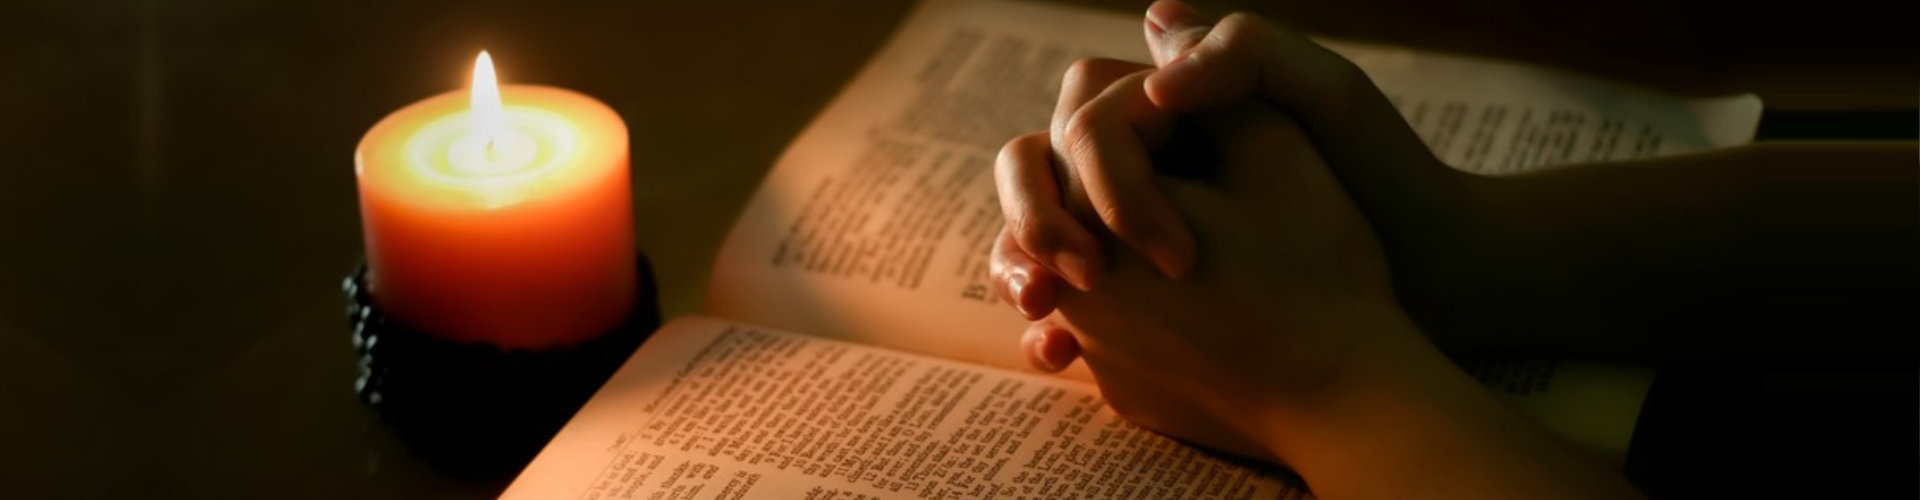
[(474, 408)]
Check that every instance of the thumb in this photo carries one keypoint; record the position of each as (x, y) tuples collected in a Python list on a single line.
[(1379, 159), (1173, 27), (1245, 57)]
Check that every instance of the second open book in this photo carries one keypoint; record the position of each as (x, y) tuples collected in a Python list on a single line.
[(871, 234)]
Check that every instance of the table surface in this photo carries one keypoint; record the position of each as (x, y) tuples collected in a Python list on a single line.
[(180, 207)]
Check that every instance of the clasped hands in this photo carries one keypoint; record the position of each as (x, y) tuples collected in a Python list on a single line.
[(1212, 236), (1203, 232)]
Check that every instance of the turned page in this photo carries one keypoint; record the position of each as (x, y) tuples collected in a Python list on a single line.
[(710, 409), (874, 225), (1497, 118)]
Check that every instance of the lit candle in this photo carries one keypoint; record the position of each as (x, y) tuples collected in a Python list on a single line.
[(500, 215)]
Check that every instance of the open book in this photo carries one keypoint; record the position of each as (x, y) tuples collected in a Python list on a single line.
[(871, 233)]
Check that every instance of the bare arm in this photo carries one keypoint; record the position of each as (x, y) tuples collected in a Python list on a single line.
[(1769, 248)]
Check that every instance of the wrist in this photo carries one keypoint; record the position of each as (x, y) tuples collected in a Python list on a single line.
[(1386, 355), (1391, 370), (1402, 419)]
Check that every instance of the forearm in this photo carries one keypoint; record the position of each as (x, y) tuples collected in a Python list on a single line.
[(1408, 424), (1753, 250)]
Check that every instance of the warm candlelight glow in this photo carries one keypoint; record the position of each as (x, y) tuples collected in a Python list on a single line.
[(489, 119), (490, 146), (500, 213), (497, 150)]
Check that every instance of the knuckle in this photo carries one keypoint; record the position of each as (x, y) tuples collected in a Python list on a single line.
[(1086, 76), (1079, 136), (1243, 22), (1186, 39), (1080, 71), (1019, 150), (1014, 161), (1003, 163), (1124, 222), (1033, 145), (1242, 30), (1095, 71)]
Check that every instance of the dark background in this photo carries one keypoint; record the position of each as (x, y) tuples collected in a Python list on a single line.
[(177, 204)]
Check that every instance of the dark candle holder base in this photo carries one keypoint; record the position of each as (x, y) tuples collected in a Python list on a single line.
[(475, 409)]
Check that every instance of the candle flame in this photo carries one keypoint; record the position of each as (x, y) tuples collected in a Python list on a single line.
[(489, 120)]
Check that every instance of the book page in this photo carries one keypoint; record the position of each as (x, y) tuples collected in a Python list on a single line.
[(710, 409), (875, 224), (1493, 118)]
